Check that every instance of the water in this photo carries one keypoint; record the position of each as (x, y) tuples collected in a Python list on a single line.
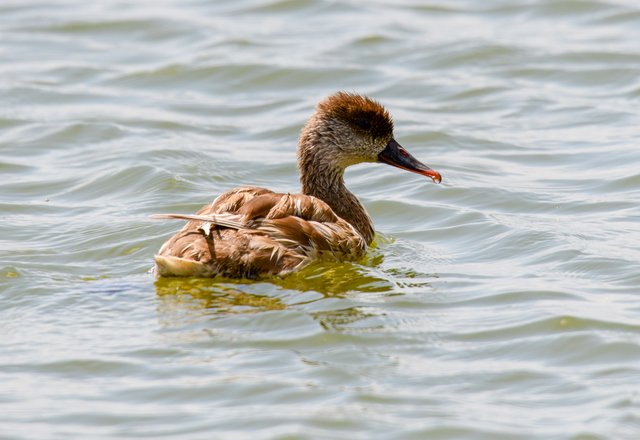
[(502, 304)]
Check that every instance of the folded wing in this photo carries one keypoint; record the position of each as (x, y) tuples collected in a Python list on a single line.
[(252, 232)]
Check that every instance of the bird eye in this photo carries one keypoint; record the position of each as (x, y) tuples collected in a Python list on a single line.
[(364, 124)]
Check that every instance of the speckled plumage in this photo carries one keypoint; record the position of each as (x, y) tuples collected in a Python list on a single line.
[(252, 232)]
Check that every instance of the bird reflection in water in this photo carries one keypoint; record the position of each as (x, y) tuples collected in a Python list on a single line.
[(185, 300)]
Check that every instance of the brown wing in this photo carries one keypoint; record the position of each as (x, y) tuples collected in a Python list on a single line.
[(261, 233), (232, 201)]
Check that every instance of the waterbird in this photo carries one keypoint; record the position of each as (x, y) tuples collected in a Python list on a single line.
[(252, 232)]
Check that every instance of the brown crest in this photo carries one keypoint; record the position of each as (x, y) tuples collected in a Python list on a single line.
[(363, 115)]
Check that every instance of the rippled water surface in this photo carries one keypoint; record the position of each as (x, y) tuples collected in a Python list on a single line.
[(502, 304)]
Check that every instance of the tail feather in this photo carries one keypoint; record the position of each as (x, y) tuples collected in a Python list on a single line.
[(218, 220), (167, 266)]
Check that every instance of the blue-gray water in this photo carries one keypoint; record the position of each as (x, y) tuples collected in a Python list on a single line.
[(502, 304)]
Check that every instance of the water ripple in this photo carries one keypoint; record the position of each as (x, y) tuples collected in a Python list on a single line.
[(501, 304)]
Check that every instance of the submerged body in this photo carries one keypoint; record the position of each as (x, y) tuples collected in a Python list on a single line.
[(253, 232)]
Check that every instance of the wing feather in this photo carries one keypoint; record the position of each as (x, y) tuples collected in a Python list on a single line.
[(249, 232), (228, 221)]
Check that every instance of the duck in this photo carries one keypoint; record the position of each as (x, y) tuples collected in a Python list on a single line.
[(253, 233)]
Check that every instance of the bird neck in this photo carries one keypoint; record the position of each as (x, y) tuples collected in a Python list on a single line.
[(325, 180)]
